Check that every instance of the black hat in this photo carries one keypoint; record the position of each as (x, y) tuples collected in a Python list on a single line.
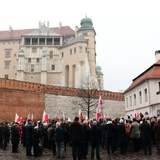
[(76, 118)]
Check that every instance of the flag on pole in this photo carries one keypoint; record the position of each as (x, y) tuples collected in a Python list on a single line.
[(32, 117), (104, 116), (63, 116), (136, 115), (18, 119), (86, 119), (80, 114), (98, 110), (59, 110), (45, 117)]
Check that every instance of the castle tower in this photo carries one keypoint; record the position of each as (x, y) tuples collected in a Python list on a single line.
[(89, 34)]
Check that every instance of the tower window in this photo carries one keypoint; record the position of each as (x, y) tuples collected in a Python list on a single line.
[(52, 67)]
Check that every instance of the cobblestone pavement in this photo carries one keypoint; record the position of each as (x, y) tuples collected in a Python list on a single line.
[(47, 155)]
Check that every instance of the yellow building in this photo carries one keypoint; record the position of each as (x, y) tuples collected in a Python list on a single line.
[(53, 56)]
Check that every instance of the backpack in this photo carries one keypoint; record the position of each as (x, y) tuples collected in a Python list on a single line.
[(127, 128)]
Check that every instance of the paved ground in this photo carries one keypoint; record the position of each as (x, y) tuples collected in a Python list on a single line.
[(47, 155)]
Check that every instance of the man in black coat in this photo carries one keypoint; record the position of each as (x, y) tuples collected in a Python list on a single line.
[(95, 137), (15, 137), (76, 137), (29, 137), (146, 132)]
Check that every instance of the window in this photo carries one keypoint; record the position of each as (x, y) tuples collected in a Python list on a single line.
[(27, 41), (52, 67), (7, 65), (56, 41), (51, 54), (34, 50), (130, 98), (37, 60), (135, 99), (70, 51), (80, 49), (7, 53), (29, 60), (74, 50), (6, 76), (85, 34), (32, 68), (140, 97), (145, 94), (62, 54), (127, 102)]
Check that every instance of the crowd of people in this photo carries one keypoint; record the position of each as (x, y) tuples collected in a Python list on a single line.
[(82, 136)]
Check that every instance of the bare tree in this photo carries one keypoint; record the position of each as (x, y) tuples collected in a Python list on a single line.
[(86, 101)]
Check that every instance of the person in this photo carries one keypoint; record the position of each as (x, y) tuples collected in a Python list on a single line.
[(29, 137), (110, 132), (95, 137), (122, 136), (37, 150), (5, 135), (59, 140), (76, 138), (15, 137), (86, 133), (135, 134), (146, 133), (156, 129)]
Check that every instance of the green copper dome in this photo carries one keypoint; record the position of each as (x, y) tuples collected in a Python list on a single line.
[(86, 22)]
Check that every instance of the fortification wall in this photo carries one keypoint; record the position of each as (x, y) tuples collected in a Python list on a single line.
[(31, 98)]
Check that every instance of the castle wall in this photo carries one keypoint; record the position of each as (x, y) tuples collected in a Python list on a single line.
[(26, 98)]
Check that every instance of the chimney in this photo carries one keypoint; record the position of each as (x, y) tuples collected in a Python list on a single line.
[(48, 24), (76, 29), (60, 25), (10, 28), (39, 24), (157, 55)]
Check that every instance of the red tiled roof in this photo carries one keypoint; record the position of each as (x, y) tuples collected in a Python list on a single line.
[(152, 72), (16, 34)]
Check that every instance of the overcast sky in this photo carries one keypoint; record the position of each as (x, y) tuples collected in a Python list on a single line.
[(128, 31)]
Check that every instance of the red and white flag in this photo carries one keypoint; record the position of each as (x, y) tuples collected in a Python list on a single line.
[(86, 119), (136, 115), (104, 116), (98, 110), (32, 117), (59, 110), (80, 114), (45, 117), (63, 116), (18, 119)]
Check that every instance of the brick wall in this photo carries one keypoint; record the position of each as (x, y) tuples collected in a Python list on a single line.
[(26, 98)]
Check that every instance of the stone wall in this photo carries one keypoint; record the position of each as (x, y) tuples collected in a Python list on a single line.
[(26, 98)]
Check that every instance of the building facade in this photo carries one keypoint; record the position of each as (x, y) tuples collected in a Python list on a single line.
[(143, 95), (52, 56)]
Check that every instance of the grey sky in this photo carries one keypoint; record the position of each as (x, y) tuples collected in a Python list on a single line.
[(128, 31)]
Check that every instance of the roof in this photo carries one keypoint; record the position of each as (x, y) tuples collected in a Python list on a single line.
[(16, 34), (74, 40), (152, 72)]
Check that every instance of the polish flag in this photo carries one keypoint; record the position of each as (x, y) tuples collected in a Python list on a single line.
[(80, 114), (98, 110), (63, 116), (32, 117), (136, 115), (45, 117), (104, 117), (59, 110), (18, 119), (86, 118)]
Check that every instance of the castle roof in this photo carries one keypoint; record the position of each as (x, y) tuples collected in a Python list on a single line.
[(16, 34), (153, 72)]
